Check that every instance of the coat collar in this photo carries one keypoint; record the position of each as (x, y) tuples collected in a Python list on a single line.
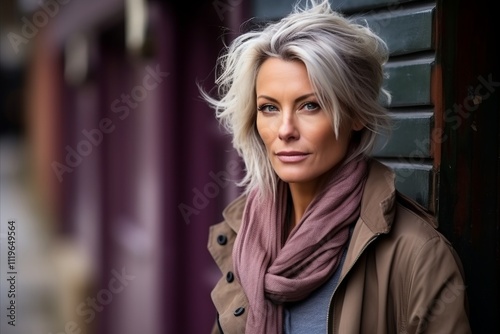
[(378, 208), (233, 213), (379, 198), (377, 204)]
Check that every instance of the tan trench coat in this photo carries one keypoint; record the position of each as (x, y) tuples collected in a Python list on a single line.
[(400, 274)]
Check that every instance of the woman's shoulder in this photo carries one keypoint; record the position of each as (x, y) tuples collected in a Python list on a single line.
[(222, 235), (409, 213), (415, 225), (415, 246)]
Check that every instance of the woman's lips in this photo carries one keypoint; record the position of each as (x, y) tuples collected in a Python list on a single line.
[(291, 156)]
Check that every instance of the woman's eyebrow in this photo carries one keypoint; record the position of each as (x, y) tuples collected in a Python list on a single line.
[(300, 98)]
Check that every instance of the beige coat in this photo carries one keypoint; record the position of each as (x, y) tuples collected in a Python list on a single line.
[(400, 274)]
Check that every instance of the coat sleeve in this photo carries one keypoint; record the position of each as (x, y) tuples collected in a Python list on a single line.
[(437, 297)]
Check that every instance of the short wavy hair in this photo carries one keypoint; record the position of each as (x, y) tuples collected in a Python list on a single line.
[(344, 61)]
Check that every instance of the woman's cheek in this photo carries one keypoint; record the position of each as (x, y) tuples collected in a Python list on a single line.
[(266, 131)]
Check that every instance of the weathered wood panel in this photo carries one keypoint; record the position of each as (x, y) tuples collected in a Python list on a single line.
[(270, 10), (409, 82), (410, 136), (363, 5), (404, 31), (413, 180)]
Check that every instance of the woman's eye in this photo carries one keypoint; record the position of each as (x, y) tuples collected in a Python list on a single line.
[(310, 106), (267, 108)]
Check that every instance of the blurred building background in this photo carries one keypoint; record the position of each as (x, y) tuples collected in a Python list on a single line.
[(113, 168)]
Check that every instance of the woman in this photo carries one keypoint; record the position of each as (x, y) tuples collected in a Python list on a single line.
[(320, 241)]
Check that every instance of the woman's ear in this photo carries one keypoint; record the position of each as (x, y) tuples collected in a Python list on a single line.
[(357, 125)]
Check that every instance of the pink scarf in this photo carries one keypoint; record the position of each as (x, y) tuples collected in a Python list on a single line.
[(270, 273)]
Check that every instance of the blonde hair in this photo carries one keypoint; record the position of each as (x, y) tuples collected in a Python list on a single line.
[(344, 61)]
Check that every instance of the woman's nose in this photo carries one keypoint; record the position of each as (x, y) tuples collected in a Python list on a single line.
[(288, 128)]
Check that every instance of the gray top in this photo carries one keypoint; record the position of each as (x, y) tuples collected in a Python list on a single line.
[(308, 316)]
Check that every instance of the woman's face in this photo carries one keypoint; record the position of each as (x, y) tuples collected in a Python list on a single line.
[(296, 131)]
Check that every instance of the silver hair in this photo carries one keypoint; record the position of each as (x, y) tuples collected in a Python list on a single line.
[(344, 61)]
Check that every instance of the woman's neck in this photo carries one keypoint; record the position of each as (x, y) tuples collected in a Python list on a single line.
[(301, 196)]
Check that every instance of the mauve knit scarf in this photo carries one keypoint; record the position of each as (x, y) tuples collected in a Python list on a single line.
[(270, 273)]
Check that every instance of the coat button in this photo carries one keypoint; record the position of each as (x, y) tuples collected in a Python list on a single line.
[(239, 311), (222, 239), (230, 277)]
